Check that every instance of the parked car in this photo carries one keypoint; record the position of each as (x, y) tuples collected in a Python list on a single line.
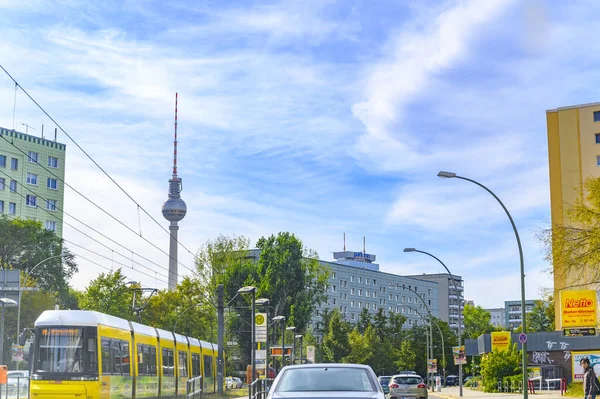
[(333, 381), (17, 381), (238, 381), (407, 372), (451, 380), (467, 379), (384, 381), (407, 385)]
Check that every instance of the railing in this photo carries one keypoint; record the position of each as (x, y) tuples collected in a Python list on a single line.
[(16, 388), (194, 388), (259, 388)]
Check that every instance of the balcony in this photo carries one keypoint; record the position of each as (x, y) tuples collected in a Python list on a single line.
[(452, 296), (514, 311)]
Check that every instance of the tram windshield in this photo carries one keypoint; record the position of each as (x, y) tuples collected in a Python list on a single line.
[(66, 350)]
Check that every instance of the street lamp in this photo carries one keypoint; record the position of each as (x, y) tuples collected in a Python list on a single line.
[(282, 319), (460, 373), (251, 290), (300, 336), (449, 175), (265, 302), (4, 302), (430, 317), (293, 330)]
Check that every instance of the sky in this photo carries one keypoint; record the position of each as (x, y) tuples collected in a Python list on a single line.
[(315, 117)]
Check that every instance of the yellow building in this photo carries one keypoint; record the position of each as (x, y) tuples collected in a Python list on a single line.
[(574, 155)]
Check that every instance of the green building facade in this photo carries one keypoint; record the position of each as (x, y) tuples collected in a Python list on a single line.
[(32, 171)]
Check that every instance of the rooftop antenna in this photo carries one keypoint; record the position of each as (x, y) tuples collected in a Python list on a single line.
[(344, 242), (27, 127), (175, 142), (42, 130), (364, 246)]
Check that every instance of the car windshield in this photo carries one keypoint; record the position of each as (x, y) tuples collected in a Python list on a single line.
[(326, 379), (407, 380), (384, 380)]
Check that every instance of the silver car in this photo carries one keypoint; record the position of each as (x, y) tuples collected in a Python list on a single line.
[(407, 386), (332, 380)]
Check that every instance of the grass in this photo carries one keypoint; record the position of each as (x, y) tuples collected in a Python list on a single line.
[(575, 389)]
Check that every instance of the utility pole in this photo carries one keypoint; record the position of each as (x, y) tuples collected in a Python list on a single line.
[(220, 338)]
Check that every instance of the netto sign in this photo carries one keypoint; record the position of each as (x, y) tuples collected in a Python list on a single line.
[(578, 309), (579, 303)]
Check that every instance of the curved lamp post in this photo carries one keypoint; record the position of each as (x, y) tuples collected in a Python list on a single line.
[(293, 358), (430, 317), (451, 175), (460, 373), (282, 319), (251, 290)]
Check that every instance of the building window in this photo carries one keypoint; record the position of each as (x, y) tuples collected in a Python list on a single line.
[(32, 179), (359, 305), (52, 183), (367, 293), (351, 279), (374, 282), (367, 281), (31, 200), (351, 291), (33, 157), (351, 316), (351, 304), (51, 225), (359, 292), (429, 291), (51, 205), (596, 116), (374, 307), (1, 206), (2, 182), (3, 161), (374, 294), (333, 288), (359, 280), (12, 208), (53, 162), (14, 163), (333, 275), (597, 160), (13, 186), (333, 301)]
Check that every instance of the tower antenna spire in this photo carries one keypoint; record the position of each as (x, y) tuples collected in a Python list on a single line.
[(344, 242), (175, 141)]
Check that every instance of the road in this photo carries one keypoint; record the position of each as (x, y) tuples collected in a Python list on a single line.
[(452, 393)]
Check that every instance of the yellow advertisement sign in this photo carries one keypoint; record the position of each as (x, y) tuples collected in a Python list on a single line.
[(500, 340), (578, 308)]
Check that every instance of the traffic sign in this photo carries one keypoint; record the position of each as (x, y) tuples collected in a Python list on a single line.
[(522, 338)]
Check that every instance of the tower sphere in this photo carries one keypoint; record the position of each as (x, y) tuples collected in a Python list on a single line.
[(174, 209)]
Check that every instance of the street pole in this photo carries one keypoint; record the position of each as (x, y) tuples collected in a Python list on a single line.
[(456, 291), (443, 174), (293, 357), (283, 343), (253, 354), (220, 337), (4, 302)]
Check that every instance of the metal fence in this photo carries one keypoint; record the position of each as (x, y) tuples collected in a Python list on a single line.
[(259, 388), (194, 388), (15, 388)]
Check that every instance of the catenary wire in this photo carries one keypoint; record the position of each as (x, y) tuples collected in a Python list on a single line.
[(90, 158), (85, 234), (93, 203)]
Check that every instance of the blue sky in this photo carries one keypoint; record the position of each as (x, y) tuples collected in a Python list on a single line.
[(315, 117)]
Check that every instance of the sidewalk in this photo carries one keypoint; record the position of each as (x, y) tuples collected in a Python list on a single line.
[(452, 393)]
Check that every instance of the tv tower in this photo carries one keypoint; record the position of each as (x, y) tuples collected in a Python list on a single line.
[(174, 209)]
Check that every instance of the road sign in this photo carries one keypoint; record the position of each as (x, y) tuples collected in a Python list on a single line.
[(579, 332), (522, 338), (310, 353), (260, 327), (276, 351)]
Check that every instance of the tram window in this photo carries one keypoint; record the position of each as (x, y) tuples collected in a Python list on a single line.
[(115, 353), (140, 360), (146, 360), (152, 360), (125, 363), (208, 372), (92, 359), (107, 359), (167, 362), (195, 365), (183, 366)]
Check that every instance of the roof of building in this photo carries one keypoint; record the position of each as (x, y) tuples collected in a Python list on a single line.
[(573, 107)]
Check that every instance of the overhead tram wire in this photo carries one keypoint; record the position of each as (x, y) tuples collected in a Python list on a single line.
[(87, 235), (95, 163), (93, 203)]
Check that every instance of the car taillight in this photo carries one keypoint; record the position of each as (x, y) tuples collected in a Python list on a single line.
[(421, 385), (394, 386)]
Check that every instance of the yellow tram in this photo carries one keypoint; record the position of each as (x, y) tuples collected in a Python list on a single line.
[(87, 355)]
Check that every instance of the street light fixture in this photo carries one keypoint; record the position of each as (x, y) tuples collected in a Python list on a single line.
[(251, 290), (282, 319), (300, 337), (265, 302), (4, 302), (460, 371), (293, 330), (446, 175)]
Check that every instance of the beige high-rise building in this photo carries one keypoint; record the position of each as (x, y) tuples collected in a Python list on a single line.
[(574, 156)]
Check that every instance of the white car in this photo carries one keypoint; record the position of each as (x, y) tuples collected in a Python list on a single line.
[(233, 383), (17, 381)]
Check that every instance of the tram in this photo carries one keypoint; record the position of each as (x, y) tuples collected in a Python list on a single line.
[(88, 355)]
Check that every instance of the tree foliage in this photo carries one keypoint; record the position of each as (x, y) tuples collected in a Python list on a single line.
[(336, 343), (575, 246), (541, 317), (406, 357), (497, 365), (26, 245), (477, 321), (109, 293)]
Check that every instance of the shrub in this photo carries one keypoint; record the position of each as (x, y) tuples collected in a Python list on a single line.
[(575, 389), (497, 365)]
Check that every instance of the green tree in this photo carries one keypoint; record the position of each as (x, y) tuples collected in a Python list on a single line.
[(336, 343), (477, 321), (497, 365), (364, 320), (541, 317), (26, 243), (109, 293), (405, 356), (361, 346)]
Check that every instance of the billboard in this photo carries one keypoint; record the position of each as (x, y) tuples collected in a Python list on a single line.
[(432, 365), (310, 353), (578, 308), (458, 353), (576, 357), (500, 340)]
